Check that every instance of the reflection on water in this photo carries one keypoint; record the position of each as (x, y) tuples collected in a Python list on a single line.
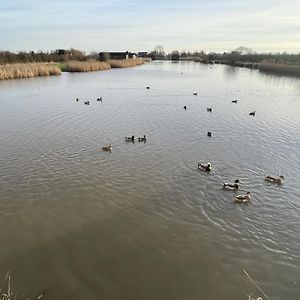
[(142, 222)]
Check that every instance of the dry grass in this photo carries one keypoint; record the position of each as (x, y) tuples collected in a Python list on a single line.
[(11, 71), (284, 69), (125, 63), (87, 66)]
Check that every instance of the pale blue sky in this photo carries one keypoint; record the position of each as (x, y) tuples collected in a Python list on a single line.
[(216, 25)]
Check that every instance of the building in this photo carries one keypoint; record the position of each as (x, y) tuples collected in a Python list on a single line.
[(103, 56), (142, 54)]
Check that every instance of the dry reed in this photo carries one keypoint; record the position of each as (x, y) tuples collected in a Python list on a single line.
[(11, 71), (125, 63), (87, 66), (284, 69)]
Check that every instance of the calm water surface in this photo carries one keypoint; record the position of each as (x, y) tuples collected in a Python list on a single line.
[(143, 222)]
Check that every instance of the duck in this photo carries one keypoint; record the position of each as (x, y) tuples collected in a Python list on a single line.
[(195, 93), (99, 99), (243, 198), (231, 186), (234, 101), (87, 102), (205, 167), (148, 87), (252, 113), (77, 99), (275, 179), (108, 148), (209, 109), (129, 139), (209, 133), (184, 107), (142, 139)]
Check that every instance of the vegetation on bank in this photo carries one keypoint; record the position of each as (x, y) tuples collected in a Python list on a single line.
[(86, 66), (11, 71), (125, 63)]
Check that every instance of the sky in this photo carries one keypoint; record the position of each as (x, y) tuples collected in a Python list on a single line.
[(118, 25)]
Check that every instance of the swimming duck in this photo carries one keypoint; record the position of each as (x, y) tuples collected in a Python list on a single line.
[(205, 167), (77, 99), (252, 113), (243, 198), (231, 186), (274, 179), (234, 101), (142, 139), (209, 133), (195, 93), (108, 148), (184, 107), (129, 139), (87, 102), (148, 87), (209, 109), (99, 99)]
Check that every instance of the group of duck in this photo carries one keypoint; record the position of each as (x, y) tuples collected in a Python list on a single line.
[(131, 139), (88, 102), (243, 198)]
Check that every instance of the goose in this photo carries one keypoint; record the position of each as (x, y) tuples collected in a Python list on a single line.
[(142, 139), (234, 101), (274, 179), (205, 167), (209, 109), (195, 93), (209, 133), (99, 99), (231, 186), (148, 87), (252, 113), (108, 148), (184, 107), (87, 102), (243, 198), (129, 139)]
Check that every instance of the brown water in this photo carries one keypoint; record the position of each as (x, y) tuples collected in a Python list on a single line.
[(143, 222)]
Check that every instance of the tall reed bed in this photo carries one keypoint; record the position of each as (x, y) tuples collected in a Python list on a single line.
[(87, 66), (125, 63), (11, 71), (284, 69)]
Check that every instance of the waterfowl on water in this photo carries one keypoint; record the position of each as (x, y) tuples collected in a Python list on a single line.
[(243, 198), (195, 93), (274, 179), (231, 186), (209, 109), (234, 101), (99, 99), (205, 167), (252, 113), (87, 102), (185, 107), (209, 133), (129, 139), (148, 87), (142, 139), (77, 99), (108, 148)]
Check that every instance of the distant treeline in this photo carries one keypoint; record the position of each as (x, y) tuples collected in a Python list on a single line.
[(60, 55)]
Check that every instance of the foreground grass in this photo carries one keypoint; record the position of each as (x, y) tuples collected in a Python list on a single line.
[(11, 71)]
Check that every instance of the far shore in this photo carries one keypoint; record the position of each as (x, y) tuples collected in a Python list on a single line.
[(28, 70)]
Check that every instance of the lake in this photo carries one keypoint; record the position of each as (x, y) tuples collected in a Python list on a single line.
[(142, 222)]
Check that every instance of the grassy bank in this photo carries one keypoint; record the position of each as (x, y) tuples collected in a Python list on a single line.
[(282, 69), (11, 71), (86, 66), (125, 63)]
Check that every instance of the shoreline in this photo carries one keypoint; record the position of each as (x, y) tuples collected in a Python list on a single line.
[(29, 70)]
